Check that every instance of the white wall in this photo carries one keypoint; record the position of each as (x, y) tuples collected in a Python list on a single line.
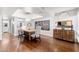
[(78, 27), (5, 12), (16, 20), (0, 28)]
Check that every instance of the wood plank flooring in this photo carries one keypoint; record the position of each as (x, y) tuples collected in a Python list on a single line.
[(47, 44)]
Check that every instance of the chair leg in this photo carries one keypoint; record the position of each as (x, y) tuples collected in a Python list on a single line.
[(39, 38), (22, 39)]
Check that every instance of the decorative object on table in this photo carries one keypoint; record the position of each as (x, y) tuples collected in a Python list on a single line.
[(29, 25)]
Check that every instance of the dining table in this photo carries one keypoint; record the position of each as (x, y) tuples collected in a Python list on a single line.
[(29, 31)]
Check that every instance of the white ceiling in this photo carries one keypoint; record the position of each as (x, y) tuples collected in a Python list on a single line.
[(8, 11), (21, 14), (50, 10), (31, 12)]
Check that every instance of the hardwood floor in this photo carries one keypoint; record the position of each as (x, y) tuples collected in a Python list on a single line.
[(47, 44)]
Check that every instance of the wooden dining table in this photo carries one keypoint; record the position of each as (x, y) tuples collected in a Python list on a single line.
[(29, 31)]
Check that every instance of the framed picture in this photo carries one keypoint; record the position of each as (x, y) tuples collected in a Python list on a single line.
[(29, 25), (45, 25), (5, 25), (20, 24)]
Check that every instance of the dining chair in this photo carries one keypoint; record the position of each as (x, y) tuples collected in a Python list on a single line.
[(36, 35), (21, 35), (17, 41)]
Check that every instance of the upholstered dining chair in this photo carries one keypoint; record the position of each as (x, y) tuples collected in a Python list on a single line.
[(18, 41), (21, 35), (36, 35)]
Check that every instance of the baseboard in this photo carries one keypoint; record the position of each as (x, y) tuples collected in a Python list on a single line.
[(45, 36)]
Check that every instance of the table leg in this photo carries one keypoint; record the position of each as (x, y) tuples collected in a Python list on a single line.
[(29, 36)]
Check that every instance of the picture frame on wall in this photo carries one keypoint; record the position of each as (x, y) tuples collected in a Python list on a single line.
[(5, 25), (45, 25)]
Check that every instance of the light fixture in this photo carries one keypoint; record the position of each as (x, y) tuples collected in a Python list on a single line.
[(27, 10), (28, 20)]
